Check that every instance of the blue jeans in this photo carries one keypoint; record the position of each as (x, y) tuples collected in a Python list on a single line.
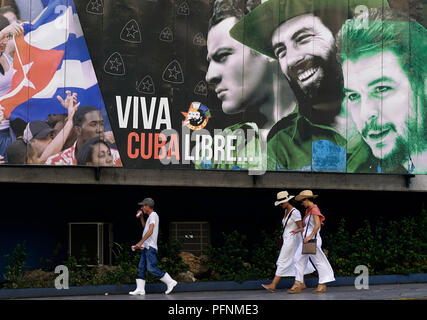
[(148, 262)]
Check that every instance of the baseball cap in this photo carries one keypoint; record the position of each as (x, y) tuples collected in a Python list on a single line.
[(36, 130), (147, 202)]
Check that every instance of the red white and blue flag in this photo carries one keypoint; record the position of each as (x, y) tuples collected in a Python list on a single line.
[(50, 58)]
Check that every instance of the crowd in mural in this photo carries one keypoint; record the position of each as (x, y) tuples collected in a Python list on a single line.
[(73, 135), (336, 86)]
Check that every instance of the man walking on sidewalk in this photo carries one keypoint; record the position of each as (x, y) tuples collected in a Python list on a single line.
[(148, 247)]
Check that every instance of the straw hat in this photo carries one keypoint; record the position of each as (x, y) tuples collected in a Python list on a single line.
[(283, 196), (306, 194)]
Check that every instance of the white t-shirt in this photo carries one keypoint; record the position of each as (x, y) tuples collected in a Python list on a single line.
[(153, 218), (295, 216)]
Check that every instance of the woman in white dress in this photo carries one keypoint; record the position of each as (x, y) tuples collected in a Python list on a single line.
[(313, 220), (291, 224)]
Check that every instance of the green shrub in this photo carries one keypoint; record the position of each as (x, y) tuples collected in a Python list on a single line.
[(15, 265), (169, 259), (125, 268), (80, 273), (49, 263), (230, 262), (265, 254), (393, 247)]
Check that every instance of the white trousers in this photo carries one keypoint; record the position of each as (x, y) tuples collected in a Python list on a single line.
[(324, 269), (286, 263)]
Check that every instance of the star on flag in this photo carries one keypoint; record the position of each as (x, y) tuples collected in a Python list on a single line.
[(33, 72)]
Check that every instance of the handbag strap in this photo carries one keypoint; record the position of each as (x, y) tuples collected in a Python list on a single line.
[(308, 223), (289, 215)]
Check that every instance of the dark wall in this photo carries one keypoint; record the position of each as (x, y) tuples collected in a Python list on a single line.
[(39, 213)]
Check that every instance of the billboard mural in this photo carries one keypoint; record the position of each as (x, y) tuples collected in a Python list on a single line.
[(277, 85)]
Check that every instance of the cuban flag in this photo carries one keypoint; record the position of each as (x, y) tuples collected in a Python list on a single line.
[(50, 58)]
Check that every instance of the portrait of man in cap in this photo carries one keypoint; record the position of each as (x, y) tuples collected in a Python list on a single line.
[(300, 34), (385, 70)]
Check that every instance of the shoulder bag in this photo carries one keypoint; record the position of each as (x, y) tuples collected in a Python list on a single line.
[(310, 246)]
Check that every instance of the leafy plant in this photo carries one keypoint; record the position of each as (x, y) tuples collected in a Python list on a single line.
[(169, 258), (265, 254), (49, 263), (15, 265), (395, 247), (230, 262)]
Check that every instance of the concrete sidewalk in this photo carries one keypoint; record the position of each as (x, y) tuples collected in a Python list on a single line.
[(375, 292), (215, 286)]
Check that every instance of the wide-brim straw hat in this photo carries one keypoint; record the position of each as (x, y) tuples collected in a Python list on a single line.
[(256, 29), (283, 196), (306, 194)]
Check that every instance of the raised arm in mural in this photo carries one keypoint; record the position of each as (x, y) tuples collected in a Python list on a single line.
[(40, 135), (14, 29)]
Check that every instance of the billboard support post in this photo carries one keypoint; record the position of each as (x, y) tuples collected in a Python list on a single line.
[(408, 178), (97, 173)]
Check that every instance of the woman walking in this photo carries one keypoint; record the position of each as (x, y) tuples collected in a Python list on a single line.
[(312, 222), (291, 224)]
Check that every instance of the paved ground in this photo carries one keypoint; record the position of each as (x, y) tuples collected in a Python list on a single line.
[(375, 292)]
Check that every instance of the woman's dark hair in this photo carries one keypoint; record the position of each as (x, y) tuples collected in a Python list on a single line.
[(19, 152), (10, 6), (3, 22), (85, 153), (7, 9), (292, 202)]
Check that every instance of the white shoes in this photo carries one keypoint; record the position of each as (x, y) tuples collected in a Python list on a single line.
[(171, 283), (140, 288)]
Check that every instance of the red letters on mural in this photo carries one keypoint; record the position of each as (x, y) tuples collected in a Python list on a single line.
[(152, 146)]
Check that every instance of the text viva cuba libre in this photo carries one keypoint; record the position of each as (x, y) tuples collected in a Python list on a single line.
[(150, 135)]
